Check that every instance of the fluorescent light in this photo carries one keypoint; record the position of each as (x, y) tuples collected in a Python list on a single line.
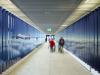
[(84, 8), (91, 1), (64, 25), (8, 5)]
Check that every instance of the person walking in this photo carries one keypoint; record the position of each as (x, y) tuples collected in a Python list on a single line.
[(52, 45), (61, 44)]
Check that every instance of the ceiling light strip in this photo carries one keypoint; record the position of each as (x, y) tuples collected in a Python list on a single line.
[(83, 9), (8, 5)]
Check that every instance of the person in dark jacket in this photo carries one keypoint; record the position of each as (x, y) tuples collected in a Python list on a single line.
[(46, 39), (61, 44)]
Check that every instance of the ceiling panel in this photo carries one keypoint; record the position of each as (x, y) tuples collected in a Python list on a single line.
[(47, 13), (54, 14)]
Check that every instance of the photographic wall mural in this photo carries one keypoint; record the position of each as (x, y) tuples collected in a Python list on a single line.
[(83, 38), (17, 39)]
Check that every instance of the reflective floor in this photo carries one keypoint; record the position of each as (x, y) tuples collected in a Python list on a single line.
[(43, 62)]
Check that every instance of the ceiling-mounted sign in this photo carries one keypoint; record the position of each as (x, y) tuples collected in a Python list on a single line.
[(49, 29)]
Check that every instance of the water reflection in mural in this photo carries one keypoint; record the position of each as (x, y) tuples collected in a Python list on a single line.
[(83, 38), (17, 39)]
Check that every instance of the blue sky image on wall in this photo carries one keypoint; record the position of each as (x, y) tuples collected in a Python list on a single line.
[(83, 38), (17, 39)]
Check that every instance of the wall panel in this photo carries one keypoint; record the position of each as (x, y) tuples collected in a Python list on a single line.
[(17, 39), (83, 38)]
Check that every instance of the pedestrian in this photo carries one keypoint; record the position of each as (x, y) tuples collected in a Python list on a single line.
[(61, 44), (46, 39), (52, 45)]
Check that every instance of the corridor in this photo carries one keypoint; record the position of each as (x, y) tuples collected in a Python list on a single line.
[(42, 62), (26, 26)]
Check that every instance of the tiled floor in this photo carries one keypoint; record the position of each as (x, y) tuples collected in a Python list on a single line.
[(43, 62)]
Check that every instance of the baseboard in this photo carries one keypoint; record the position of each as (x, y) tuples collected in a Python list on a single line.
[(20, 62), (88, 67)]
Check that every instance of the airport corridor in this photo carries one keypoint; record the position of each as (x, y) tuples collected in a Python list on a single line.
[(43, 62)]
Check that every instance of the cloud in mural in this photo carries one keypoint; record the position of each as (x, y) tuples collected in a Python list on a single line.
[(13, 53)]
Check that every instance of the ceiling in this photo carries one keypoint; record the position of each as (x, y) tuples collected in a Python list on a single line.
[(47, 13), (50, 14)]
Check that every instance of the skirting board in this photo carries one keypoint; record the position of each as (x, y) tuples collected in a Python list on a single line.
[(88, 67), (20, 62)]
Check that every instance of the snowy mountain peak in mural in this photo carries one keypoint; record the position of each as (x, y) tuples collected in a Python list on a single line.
[(22, 36)]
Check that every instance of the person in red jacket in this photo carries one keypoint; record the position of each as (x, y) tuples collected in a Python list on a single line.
[(52, 45)]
